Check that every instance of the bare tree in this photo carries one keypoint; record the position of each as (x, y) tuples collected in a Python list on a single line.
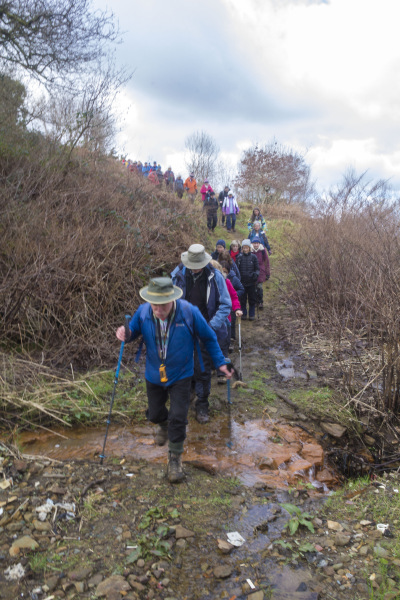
[(274, 173), (201, 155), (53, 39)]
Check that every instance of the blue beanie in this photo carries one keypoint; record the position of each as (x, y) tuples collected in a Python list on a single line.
[(221, 243)]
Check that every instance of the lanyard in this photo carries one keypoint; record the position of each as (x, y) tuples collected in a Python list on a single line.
[(163, 337)]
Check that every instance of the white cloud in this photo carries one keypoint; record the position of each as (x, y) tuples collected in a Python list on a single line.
[(313, 74)]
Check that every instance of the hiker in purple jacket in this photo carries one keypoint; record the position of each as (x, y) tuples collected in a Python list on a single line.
[(230, 208)]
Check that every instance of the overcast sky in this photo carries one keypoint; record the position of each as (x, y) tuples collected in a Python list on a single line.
[(317, 75)]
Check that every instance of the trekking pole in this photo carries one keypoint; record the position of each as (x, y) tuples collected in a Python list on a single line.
[(127, 336), (240, 348), (228, 387)]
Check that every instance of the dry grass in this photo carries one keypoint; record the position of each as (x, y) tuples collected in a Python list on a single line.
[(345, 270), (76, 245)]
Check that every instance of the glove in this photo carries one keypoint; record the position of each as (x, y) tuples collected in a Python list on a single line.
[(254, 276)]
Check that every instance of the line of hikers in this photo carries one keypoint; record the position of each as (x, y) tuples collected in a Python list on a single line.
[(187, 324)]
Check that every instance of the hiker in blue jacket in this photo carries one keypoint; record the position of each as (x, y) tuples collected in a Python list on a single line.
[(170, 328), (205, 287)]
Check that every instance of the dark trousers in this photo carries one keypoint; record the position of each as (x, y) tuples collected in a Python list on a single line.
[(179, 400), (224, 342), (202, 380), (222, 218), (233, 325), (211, 221), (250, 294), (259, 293), (230, 222)]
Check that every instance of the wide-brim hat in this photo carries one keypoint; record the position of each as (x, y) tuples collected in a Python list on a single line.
[(160, 291), (196, 257)]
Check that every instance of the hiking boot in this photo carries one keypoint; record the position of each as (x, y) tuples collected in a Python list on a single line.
[(251, 318), (261, 306), (161, 436), (174, 470), (244, 317), (202, 417)]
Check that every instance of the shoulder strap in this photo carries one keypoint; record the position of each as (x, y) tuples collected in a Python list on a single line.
[(188, 316)]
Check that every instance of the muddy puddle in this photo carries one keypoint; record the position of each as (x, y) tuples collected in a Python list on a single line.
[(266, 451), (285, 365)]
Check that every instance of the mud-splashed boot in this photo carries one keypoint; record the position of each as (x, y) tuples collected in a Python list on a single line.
[(175, 472), (161, 436)]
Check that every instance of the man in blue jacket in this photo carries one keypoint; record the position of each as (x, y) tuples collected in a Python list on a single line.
[(170, 328), (205, 287)]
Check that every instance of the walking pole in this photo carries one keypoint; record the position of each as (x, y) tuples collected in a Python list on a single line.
[(240, 348), (127, 335), (228, 387)]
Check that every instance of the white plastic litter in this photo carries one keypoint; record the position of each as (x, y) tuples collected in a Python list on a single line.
[(251, 584), (48, 506), (382, 527), (14, 573), (235, 538), (45, 509), (130, 474), (396, 491)]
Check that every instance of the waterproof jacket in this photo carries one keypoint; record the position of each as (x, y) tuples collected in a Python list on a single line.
[(169, 177), (221, 197), (263, 263), (178, 184), (262, 236), (218, 300), (187, 324), (191, 185), (146, 170), (253, 218), (234, 297), (248, 268), (204, 190), (211, 205), (237, 284), (230, 206)]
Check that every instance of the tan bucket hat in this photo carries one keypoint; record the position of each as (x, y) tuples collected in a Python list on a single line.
[(196, 257), (160, 291)]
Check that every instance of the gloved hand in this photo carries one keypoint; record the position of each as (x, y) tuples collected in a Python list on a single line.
[(254, 276)]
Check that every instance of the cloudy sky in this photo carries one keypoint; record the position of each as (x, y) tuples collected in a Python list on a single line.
[(318, 75)]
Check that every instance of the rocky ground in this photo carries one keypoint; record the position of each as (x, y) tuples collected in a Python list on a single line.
[(81, 530)]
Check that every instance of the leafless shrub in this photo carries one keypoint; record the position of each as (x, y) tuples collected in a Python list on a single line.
[(274, 173), (346, 265), (75, 248)]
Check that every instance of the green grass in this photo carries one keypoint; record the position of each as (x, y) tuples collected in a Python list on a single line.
[(322, 403)]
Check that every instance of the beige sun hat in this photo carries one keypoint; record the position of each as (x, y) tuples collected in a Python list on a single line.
[(160, 291), (196, 257)]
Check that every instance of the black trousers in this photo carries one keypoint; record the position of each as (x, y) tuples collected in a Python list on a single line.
[(202, 380), (249, 293), (179, 400), (212, 221)]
